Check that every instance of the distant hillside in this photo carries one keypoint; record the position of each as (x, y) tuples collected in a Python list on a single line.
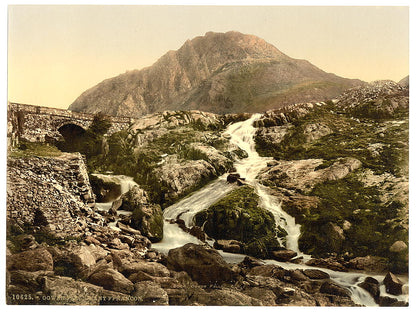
[(219, 72)]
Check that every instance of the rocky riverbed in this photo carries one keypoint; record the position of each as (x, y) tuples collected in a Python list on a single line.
[(77, 234)]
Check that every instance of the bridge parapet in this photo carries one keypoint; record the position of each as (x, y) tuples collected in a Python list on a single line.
[(39, 124)]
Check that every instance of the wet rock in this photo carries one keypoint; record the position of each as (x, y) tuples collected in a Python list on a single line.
[(330, 263), (115, 206), (111, 279), (106, 188), (31, 260), (268, 271), (315, 274), (206, 266), (371, 285), (238, 216), (388, 301), (251, 262), (233, 177), (150, 293), (232, 246), (135, 197), (334, 289), (198, 233), (148, 219), (283, 255), (393, 284)]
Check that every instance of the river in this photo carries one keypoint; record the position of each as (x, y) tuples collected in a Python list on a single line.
[(242, 135)]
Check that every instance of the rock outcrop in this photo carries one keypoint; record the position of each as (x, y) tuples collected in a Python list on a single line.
[(239, 217)]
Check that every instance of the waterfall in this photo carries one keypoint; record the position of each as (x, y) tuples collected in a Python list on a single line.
[(242, 135), (126, 183)]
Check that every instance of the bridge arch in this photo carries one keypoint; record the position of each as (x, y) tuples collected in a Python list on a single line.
[(71, 130), (73, 135)]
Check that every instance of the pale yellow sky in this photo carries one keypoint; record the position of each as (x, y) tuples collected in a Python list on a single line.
[(57, 52)]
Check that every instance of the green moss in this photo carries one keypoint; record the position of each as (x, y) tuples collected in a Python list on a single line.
[(372, 231), (151, 226), (28, 149), (350, 138), (238, 216)]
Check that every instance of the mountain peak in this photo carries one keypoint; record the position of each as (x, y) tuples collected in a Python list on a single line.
[(218, 72)]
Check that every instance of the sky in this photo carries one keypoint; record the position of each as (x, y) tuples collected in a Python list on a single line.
[(57, 52)]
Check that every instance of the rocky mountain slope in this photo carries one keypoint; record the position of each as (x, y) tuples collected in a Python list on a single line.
[(219, 72), (341, 169)]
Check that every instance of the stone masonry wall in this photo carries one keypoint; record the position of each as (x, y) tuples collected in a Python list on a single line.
[(37, 124), (52, 192)]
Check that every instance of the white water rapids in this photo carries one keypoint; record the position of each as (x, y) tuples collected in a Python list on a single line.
[(242, 135)]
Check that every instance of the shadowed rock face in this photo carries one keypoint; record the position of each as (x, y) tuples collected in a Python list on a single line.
[(219, 72)]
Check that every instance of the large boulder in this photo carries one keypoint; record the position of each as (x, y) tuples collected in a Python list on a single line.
[(231, 246), (334, 289), (334, 235), (147, 218), (133, 198), (31, 260), (238, 216), (315, 274), (106, 187), (140, 266), (368, 263), (393, 284), (284, 255), (111, 279), (150, 293), (303, 175), (314, 131), (371, 285), (204, 265), (67, 291), (398, 246)]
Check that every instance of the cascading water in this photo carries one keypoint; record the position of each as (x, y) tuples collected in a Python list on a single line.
[(126, 183), (242, 135)]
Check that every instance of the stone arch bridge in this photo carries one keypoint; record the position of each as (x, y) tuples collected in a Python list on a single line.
[(43, 124)]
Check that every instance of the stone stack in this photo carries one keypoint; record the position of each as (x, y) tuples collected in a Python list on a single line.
[(49, 192)]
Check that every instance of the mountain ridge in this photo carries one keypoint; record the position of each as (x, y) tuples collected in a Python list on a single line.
[(219, 72)]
